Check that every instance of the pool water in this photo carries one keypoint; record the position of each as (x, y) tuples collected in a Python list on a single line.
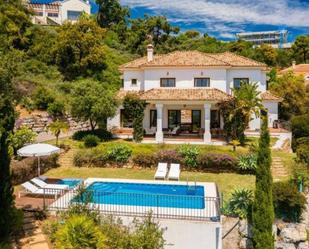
[(142, 194), (71, 182)]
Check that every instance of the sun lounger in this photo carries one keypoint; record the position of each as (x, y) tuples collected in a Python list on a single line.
[(37, 181), (174, 172), (32, 189), (161, 171)]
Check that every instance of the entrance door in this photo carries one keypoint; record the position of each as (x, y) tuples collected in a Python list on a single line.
[(174, 118), (196, 120)]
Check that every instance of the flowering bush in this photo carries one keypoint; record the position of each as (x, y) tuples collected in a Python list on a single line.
[(145, 160), (169, 156), (217, 162)]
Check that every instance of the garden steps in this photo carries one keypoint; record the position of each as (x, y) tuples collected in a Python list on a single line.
[(278, 170), (66, 159), (33, 235)]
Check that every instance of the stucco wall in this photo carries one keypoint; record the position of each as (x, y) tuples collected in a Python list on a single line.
[(74, 5), (220, 78), (272, 108), (254, 75)]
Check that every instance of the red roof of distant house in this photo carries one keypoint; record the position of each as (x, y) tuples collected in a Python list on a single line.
[(300, 69)]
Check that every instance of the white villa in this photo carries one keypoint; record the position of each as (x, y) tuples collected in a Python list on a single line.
[(182, 90), (55, 12)]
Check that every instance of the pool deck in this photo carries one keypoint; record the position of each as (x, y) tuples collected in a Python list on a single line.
[(210, 212)]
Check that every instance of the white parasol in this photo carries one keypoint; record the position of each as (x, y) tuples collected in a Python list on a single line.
[(38, 150)]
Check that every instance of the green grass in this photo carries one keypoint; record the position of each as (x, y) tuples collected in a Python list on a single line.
[(226, 181)]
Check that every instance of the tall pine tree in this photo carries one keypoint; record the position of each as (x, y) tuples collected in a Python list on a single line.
[(263, 210), (7, 119)]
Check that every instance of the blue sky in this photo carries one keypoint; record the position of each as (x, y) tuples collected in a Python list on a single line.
[(224, 18)]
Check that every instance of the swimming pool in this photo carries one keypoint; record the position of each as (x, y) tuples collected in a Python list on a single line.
[(69, 181), (143, 194)]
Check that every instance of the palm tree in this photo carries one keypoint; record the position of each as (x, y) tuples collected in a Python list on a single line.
[(57, 127), (248, 101)]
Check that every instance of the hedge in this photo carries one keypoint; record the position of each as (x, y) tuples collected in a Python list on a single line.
[(26, 169), (289, 204), (207, 162), (102, 134)]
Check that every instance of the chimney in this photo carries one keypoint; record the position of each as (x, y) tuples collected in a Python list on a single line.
[(149, 52), (293, 64)]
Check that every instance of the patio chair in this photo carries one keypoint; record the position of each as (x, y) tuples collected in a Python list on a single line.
[(37, 181), (174, 131), (174, 172), (150, 131), (34, 190), (161, 171)]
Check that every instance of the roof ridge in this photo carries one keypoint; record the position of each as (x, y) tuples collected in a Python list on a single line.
[(210, 55), (244, 57)]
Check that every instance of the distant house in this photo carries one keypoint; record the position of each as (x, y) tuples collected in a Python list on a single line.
[(300, 69), (55, 12), (182, 90), (276, 39)]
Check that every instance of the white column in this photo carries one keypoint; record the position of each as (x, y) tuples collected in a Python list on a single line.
[(207, 135), (159, 133)]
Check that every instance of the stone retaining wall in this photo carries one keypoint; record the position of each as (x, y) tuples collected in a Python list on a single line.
[(39, 123)]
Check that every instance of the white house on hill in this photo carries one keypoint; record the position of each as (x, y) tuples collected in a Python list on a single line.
[(182, 90), (55, 12)]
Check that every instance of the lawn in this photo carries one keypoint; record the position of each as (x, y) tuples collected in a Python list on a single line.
[(226, 181)]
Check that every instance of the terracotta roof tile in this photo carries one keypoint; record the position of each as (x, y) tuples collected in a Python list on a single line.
[(300, 68), (195, 59), (269, 96), (166, 93)]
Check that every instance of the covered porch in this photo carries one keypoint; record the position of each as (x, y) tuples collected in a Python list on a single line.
[(192, 122), (180, 115)]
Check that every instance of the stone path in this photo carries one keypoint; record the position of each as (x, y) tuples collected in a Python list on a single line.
[(66, 159), (278, 170), (34, 237)]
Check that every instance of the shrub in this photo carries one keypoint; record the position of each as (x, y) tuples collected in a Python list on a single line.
[(247, 163), (42, 98), (240, 203), (104, 135), (288, 202), (21, 137), (217, 162), (145, 160), (302, 153), (143, 233), (80, 232), (190, 154), (118, 153), (300, 128), (92, 157), (56, 109), (169, 156), (27, 168), (91, 141)]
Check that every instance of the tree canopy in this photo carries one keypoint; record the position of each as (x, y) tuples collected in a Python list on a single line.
[(79, 49), (93, 101)]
